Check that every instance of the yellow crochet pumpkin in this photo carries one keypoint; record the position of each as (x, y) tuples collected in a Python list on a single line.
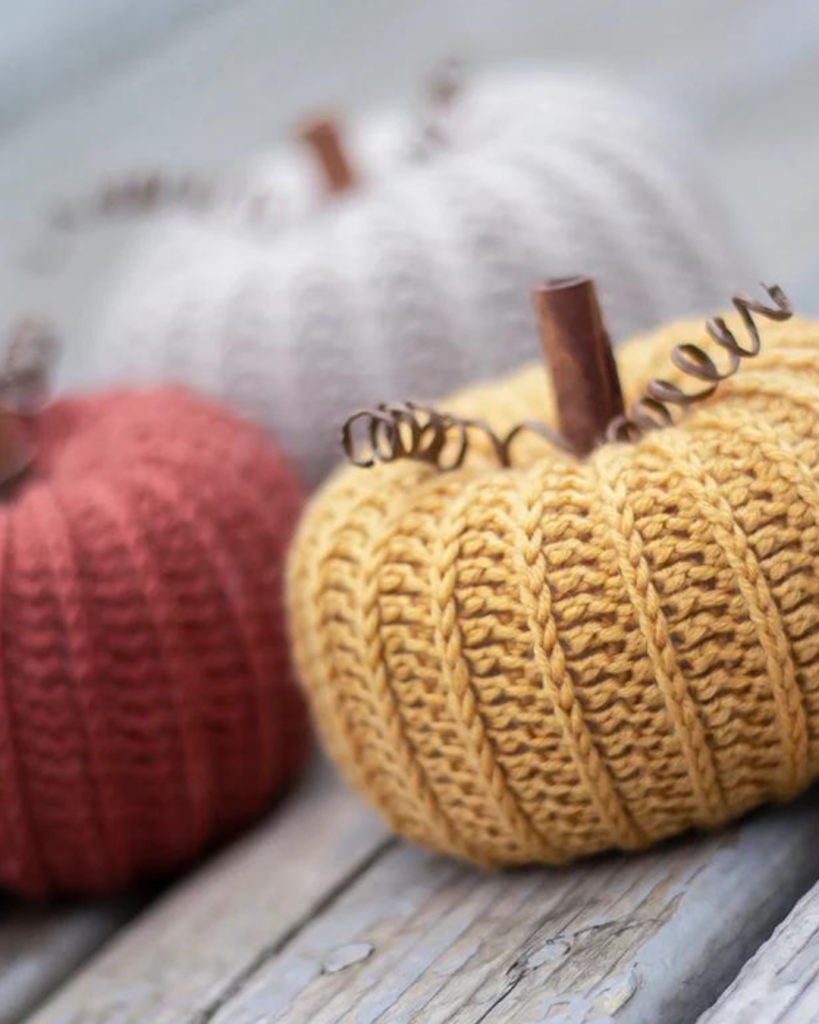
[(539, 662)]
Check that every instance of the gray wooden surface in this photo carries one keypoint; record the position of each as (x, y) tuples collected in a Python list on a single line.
[(780, 983), (189, 954), (318, 917), (39, 948)]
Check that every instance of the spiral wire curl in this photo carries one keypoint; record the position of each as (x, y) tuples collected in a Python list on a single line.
[(26, 365), (407, 430), (654, 410), (443, 88), (134, 192)]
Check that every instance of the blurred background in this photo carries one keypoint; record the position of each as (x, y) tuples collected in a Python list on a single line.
[(92, 87)]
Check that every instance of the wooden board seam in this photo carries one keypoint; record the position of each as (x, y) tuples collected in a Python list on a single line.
[(322, 904)]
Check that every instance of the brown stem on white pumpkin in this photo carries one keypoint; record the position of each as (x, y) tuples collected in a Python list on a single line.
[(578, 353), (322, 135)]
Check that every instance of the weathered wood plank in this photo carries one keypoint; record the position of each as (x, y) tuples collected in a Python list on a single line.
[(39, 948), (319, 918), (780, 984), (188, 953), (649, 938)]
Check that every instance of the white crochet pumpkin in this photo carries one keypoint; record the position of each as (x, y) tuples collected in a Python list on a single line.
[(418, 280)]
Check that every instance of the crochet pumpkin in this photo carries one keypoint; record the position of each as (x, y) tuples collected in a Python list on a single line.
[(407, 280), (146, 702), (544, 660)]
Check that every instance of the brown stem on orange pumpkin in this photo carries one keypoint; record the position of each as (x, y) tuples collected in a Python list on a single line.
[(578, 353), (322, 135)]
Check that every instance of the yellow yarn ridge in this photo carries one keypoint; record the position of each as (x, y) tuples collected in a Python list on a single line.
[(537, 663)]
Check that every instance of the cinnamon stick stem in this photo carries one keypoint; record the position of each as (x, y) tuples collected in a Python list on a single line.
[(578, 353), (322, 135)]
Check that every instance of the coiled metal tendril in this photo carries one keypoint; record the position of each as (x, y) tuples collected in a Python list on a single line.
[(25, 367), (135, 192), (443, 88), (23, 392), (406, 430), (653, 410)]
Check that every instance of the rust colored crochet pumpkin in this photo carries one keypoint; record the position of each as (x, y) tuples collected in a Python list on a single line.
[(541, 661), (146, 703)]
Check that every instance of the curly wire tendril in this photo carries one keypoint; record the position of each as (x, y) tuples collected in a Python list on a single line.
[(654, 410), (406, 430), (443, 89), (135, 192), (26, 365), (137, 195), (23, 393)]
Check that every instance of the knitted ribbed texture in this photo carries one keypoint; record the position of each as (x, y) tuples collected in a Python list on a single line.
[(537, 663), (406, 286), (146, 700)]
